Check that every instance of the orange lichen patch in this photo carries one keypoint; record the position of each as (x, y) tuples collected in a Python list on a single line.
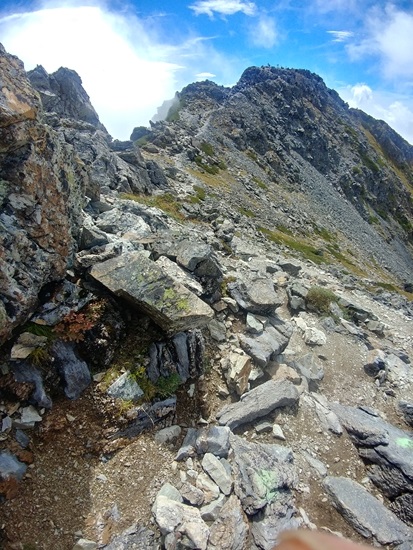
[(22, 109)]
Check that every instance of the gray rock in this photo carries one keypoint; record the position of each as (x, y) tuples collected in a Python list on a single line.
[(217, 472), (22, 438), (261, 471), (367, 515), (316, 464), (230, 531), (26, 343), (135, 537), (208, 487), (188, 446), (254, 324), (217, 330), (29, 416), (91, 236), (406, 408), (142, 282), (169, 491), (84, 544), (172, 516), (74, 371), (309, 367), (180, 275), (213, 440), (238, 369), (25, 372), (167, 435), (363, 428), (255, 294), (126, 388), (258, 403), (182, 354), (280, 515), (263, 427), (375, 362), (10, 466), (210, 511), (265, 346), (193, 495), (291, 267)]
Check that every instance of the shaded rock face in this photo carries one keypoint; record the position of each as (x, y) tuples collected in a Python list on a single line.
[(42, 187)]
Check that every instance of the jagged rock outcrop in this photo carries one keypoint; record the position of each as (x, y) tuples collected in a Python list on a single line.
[(43, 185)]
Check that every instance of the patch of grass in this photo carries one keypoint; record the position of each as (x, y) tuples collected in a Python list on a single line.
[(368, 162), (319, 299), (173, 113), (166, 202), (252, 155), (314, 254), (246, 212), (259, 183), (167, 386), (207, 148), (210, 168), (224, 284), (324, 233), (373, 220)]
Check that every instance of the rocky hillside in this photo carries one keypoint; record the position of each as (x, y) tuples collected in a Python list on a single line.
[(206, 330)]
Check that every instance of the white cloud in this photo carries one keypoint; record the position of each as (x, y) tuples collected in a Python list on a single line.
[(341, 36), (126, 66), (264, 33), (202, 76), (223, 7), (389, 36), (394, 109)]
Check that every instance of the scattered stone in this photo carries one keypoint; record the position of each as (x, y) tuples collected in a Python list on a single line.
[(217, 330), (169, 491), (210, 511), (406, 408), (265, 346), (213, 467), (314, 337), (208, 487), (126, 388), (168, 435), (11, 467), (84, 544), (375, 362), (254, 324), (213, 440), (284, 372), (74, 371), (24, 372), (238, 369), (308, 367), (26, 344), (255, 294), (173, 516), (258, 403), (277, 432), (193, 495), (367, 515), (29, 416), (318, 466), (230, 531), (263, 427)]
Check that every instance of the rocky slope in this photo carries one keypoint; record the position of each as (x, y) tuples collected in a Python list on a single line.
[(206, 330)]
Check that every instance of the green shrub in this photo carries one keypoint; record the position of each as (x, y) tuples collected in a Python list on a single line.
[(207, 148), (319, 299)]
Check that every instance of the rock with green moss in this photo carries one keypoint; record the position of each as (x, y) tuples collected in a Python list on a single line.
[(142, 282)]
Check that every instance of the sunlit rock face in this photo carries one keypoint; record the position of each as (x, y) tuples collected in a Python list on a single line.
[(42, 188)]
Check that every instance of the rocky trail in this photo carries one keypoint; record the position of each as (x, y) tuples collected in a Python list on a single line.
[(207, 331)]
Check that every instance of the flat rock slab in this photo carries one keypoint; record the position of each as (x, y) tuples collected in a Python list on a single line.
[(230, 531), (147, 286), (365, 513), (265, 346), (258, 403)]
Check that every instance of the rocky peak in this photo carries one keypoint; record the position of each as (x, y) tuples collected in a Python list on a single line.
[(62, 93)]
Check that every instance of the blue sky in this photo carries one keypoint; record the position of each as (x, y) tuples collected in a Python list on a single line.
[(133, 55)]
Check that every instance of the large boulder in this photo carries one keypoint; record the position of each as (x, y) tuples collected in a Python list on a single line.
[(144, 284)]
